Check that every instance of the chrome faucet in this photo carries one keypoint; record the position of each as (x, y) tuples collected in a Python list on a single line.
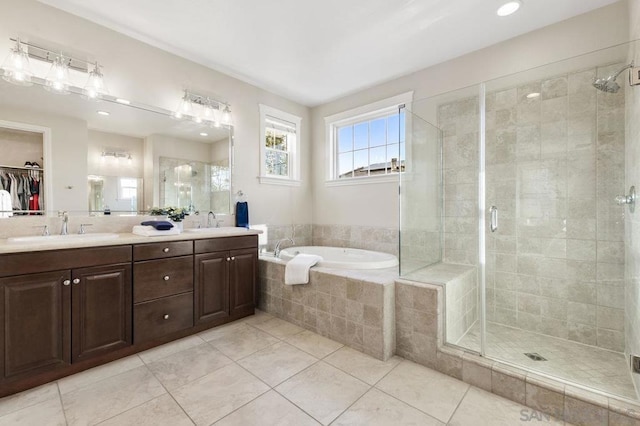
[(276, 251), (65, 222), (210, 218)]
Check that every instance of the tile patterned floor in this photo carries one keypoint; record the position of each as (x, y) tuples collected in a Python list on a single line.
[(259, 371), (586, 365)]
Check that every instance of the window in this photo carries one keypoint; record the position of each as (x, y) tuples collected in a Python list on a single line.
[(280, 146), (367, 144), (128, 188)]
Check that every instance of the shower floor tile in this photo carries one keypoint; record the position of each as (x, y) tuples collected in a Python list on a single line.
[(585, 365)]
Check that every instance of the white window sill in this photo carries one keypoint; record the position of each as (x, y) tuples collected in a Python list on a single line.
[(365, 180), (278, 181)]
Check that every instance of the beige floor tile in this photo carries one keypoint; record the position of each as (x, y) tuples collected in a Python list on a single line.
[(222, 331), (270, 409), (313, 343), (161, 411), (364, 367), (323, 391), (376, 408), (277, 363), (481, 407), (258, 317), (217, 394), (111, 396), (241, 341), (28, 398), (429, 391), (184, 367), (48, 413), (96, 374), (170, 348), (278, 328)]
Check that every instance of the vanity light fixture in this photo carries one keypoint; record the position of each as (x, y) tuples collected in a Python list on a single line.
[(203, 109), (16, 68), (117, 155), (509, 8)]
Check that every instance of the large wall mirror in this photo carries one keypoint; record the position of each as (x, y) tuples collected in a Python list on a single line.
[(111, 156)]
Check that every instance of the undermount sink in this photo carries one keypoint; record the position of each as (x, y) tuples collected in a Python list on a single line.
[(221, 230), (99, 236)]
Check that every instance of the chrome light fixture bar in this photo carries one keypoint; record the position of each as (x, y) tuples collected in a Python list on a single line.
[(16, 70), (117, 155), (203, 109)]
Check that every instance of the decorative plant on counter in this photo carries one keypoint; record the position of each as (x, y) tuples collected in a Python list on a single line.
[(175, 214)]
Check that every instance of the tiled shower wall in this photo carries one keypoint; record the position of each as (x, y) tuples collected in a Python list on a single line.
[(554, 165)]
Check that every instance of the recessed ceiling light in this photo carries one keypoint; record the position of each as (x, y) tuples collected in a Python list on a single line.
[(104, 113), (533, 95), (509, 8), (204, 134), (123, 101)]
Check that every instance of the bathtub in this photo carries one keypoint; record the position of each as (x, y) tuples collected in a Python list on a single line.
[(344, 258)]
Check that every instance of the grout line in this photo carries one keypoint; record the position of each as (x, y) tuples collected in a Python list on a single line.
[(64, 413), (459, 403)]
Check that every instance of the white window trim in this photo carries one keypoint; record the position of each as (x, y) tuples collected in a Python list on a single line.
[(355, 115), (294, 154)]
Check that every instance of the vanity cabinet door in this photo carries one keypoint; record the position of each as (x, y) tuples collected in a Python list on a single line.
[(242, 280), (101, 310), (35, 336), (211, 298)]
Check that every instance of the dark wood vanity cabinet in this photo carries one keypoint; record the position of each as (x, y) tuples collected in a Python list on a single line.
[(64, 311), (53, 318), (36, 335), (225, 278)]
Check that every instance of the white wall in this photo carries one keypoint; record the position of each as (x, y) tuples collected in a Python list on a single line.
[(148, 75), (19, 147), (376, 204)]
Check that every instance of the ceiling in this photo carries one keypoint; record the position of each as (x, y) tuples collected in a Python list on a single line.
[(315, 51)]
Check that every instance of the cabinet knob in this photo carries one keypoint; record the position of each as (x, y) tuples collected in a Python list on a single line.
[(233, 258), (166, 316), (66, 282), (228, 259), (76, 280), (166, 278), (166, 249)]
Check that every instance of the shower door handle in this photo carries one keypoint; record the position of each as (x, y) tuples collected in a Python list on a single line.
[(493, 211)]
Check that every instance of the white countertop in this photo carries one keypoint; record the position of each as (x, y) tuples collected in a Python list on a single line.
[(122, 239)]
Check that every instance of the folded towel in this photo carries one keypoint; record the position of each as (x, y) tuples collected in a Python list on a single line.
[(160, 225), (150, 231), (297, 269)]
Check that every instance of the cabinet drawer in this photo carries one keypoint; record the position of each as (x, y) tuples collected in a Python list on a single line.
[(158, 318), (162, 250), (153, 279), (226, 243)]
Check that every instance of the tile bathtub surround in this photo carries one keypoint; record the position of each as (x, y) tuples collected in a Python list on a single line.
[(336, 386), (301, 235), (352, 307), (554, 164), (361, 237)]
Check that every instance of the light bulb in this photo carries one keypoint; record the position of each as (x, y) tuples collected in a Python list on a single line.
[(57, 79), (16, 68), (184, 108), (95, 88), (226, 115)]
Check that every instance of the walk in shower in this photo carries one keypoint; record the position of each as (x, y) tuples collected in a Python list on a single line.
[(524, 172)]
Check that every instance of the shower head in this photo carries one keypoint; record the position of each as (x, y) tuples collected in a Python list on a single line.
[(608, 84)]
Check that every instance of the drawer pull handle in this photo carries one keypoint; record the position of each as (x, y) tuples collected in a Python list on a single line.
[(166, 316), (76, 280), (228, 259), (233, 258), (166, 249), (166, 278), (66, 282)]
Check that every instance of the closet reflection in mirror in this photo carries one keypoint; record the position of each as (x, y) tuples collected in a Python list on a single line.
[(114, 194)]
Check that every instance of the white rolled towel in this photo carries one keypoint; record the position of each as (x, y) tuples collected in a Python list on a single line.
[(297, 269)]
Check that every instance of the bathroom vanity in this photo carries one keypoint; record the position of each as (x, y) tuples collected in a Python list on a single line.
[(68, 309)]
